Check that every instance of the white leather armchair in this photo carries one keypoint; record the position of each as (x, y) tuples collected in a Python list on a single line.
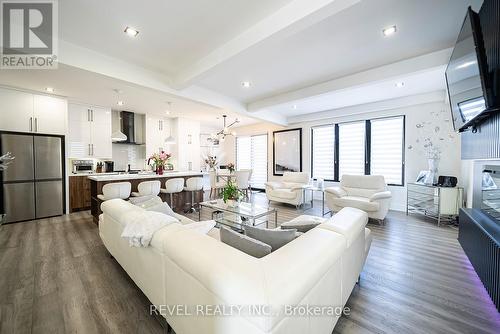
[(365, 192), (289, 190)]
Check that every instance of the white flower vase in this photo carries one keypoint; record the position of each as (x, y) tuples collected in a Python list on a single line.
[(432, 177), (232, 203)]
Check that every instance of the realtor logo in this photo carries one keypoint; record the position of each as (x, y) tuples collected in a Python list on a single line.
[(28, 34)]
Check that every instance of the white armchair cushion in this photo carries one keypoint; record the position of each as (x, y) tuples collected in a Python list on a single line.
[(284, 193), (380, 195), (357, 202), (274, 185), (293, 185), (337, 191)]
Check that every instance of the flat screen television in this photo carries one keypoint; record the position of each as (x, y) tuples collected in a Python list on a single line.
[(467, 76)]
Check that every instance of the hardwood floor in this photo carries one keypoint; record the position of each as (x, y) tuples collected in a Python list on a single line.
[(57, 277)]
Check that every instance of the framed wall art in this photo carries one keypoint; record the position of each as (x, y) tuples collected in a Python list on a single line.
[(287, 151)]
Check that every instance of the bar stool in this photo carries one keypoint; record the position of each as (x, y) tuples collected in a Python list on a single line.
[(115, 190), (173, 186), (193, 184), (148, 188)]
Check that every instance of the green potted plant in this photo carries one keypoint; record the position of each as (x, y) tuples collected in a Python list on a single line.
[(231, 195)]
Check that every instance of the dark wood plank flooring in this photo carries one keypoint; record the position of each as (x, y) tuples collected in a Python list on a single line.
[(57, 277)]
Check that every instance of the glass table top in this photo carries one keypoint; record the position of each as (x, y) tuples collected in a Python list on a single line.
[(243, 209)]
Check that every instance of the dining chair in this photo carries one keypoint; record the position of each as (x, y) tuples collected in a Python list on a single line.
[(215, 185), (243, 180)]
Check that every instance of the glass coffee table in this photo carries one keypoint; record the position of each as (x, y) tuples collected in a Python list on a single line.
[(243, 214)]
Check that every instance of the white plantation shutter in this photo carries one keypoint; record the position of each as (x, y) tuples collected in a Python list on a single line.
[(387, 149), (259, 161), (323, 152), (352, 148), (251, 153), (243, 150)]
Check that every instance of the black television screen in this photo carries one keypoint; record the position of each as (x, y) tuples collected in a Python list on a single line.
[(466, 75)]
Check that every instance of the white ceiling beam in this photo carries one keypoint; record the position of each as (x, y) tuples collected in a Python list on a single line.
[(89, 60), (289, 19), (383, 73)]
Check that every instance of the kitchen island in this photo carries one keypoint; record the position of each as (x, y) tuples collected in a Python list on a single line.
[(180, 200)]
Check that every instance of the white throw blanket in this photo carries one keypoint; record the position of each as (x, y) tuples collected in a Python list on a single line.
[(141, 226)]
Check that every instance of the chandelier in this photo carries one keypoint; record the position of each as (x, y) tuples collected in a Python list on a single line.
[(221, 135)]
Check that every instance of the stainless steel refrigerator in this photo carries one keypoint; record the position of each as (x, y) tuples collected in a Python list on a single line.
[(33, 185)]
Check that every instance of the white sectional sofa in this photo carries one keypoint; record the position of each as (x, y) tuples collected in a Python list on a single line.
[(183, 267)]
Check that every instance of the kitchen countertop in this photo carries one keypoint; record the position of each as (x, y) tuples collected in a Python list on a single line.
[(113, 177), (92, 173)]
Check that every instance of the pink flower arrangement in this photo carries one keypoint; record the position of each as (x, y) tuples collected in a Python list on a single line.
[(160, 159)]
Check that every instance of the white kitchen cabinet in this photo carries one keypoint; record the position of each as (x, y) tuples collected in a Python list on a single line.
[(26, 112), (50, 115), (186, 153), (78, 138), (89, 134), (16, 111), (157, 129), (100, 134)]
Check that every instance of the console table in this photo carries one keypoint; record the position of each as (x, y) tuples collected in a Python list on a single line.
[(438, 203)]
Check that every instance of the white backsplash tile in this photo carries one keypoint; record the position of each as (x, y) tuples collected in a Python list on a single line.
[(124, 154)]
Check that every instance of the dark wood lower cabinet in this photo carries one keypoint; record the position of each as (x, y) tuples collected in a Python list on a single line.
[(79, 193)]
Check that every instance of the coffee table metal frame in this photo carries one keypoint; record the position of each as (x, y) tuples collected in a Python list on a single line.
[(250, 219)]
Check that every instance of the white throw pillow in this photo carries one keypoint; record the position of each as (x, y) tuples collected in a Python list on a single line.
[(163, 208), (201, 227), (154, 204), (144, 200)]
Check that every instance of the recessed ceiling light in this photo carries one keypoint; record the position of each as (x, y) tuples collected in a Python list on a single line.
[(49, 90), (400, 84), (294, 107), (246, 84), (167, 112), (120, 103), (389, 31), (131, 31)]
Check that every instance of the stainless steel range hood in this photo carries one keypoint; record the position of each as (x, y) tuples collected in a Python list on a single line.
[(131, 124)]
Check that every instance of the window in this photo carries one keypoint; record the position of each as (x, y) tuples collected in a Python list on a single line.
[(251, 153), (387, 149), (373, 147), (352, 148), (323, 152), (243, 150)]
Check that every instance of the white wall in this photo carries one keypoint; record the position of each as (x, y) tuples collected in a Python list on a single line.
[(434, 116)]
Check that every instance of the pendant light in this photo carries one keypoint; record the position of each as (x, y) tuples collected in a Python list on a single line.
[(118, 135), (170, 139)]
